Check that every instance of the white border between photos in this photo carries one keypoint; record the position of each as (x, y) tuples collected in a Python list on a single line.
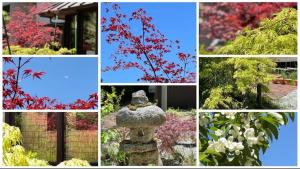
[(152, 84)]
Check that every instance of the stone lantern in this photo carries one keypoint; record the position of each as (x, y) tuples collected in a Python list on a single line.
[(142, 118)]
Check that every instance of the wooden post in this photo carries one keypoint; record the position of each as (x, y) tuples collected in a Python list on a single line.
[(164, 98), (258, 90), (60, 129), (9, 118)]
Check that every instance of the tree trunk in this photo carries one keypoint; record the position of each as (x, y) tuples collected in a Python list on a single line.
[(6, 35), (258, 95)]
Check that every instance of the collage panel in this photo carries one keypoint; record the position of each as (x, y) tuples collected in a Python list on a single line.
[(50, 28), (248, 28), (148, 126), (36, 83), (248, 139), (248, 83), (148, 42), (175, 84), (50, 139)]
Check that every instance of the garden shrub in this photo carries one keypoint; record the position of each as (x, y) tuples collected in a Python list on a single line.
[(174, 129), (274, 36), (110, 154), (14, 154), (231, 83), (111, 138), (18, 50), (74, 162), (236, 139), (110, 101)]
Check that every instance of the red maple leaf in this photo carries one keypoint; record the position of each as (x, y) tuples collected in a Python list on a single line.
[(27, 71), (37, 75)]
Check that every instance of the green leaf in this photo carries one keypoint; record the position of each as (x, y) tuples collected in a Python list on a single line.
[(213, 152), (213, 136)]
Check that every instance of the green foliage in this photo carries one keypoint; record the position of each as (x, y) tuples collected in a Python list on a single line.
[(110, 154), (5, 16), (110, 102), (14, 153), (74, 162), (273, 36), (111, 138), (289, 75), (17, 50), (182, 113), (230, 83), (203, 51), (235, 139)]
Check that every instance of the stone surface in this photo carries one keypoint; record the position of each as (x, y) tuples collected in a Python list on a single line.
[(149, 116), (139, 97), (288, 102), (276, 91), (142, 119), (128, 146), (142, 135), (145, 158)]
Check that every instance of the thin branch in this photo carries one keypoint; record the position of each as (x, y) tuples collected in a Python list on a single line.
[(144, 52), (17, 80)]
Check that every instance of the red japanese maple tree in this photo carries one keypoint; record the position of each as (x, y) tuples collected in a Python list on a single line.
[(14, 97), (145, 51), (26, 30), (224, 20)]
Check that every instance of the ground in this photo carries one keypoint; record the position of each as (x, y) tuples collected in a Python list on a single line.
[(283, 95)]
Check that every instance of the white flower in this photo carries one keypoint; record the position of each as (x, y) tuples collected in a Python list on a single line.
[(223, 143), (204, 119), (252, 141), (253, 153), (236, 128), (249, 133), (257, 124), (217, 146), (251, 115), (240, 138), (231, 146), (239, 146), (261, 133), (223, 140), (217, 115), (230, 138), (237, 152), (229, 115), (219, 132)]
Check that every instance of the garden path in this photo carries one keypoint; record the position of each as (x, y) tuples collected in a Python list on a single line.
[(285, 96)]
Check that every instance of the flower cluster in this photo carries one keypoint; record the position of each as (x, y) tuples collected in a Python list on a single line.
[(236, 136)]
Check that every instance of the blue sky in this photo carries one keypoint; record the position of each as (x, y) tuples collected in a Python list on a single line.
[(283, 152), (66, 79), (177, 21)]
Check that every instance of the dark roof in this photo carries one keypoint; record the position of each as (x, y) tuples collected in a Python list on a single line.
[(285, 59), (61, 9)]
